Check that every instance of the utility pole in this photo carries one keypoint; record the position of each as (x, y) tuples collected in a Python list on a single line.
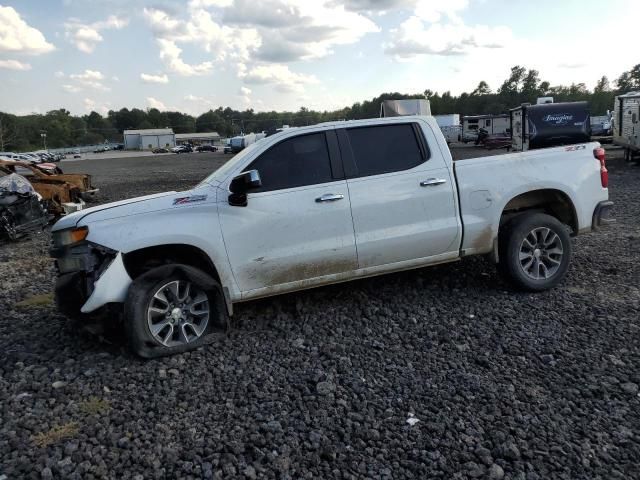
[(44, 139)]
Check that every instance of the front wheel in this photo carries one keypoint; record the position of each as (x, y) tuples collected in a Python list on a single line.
[(534, 251), (171, 309)]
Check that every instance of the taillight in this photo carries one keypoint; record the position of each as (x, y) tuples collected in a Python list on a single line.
[(601, 155)]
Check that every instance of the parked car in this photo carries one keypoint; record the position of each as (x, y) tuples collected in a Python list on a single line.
[(182, 149), (102, 149), (227, 149), (206, 148), (160, 150), (318, 205)]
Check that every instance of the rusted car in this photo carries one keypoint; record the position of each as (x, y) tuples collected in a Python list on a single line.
[(63, 192), (21, 209)]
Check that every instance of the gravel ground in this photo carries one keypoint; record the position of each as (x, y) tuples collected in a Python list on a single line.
[(437, 373)]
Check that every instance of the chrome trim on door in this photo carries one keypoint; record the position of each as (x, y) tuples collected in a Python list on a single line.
[(430, 182), (330, 197)]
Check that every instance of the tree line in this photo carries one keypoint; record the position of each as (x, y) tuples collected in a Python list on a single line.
[(24, 133)]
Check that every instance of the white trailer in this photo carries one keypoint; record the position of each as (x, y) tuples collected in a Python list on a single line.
[(493, 124), (450, 126), (626, 123)]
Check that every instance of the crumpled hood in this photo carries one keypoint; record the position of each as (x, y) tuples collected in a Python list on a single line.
[(134, 206)]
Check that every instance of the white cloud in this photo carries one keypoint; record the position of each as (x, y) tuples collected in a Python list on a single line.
[(413, 37), (374, 5), (155, 103), (249, 32), (194, 4), (71, 88), (14, 65), (219, 42), (88, 75), (91, 105), (59, 74), (170, 54), (298, 29), (245, 91), (279, 75), (148, 78), (89, 79), (434, 10), (17, 36), (86, 36)]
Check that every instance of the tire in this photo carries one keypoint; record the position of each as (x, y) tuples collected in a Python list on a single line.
[(534, 251), (163, 316)]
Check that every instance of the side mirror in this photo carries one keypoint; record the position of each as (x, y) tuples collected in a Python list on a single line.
[(240, 185)]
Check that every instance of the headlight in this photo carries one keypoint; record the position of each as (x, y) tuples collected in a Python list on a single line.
[(70, 236)]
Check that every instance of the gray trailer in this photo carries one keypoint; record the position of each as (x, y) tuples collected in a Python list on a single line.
[(626, 123)]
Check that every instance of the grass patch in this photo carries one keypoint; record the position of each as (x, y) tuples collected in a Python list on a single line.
[(36, 301), (44, 439), (94, 406)]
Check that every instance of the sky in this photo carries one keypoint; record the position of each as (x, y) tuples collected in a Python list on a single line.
[(193, 55)]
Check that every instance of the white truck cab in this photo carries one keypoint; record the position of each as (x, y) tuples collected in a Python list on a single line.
[(319, 205)]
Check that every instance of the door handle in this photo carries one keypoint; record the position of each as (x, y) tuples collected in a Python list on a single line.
[(330, 197), (430, 182)]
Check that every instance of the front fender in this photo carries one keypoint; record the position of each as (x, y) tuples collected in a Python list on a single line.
[(194, 225)]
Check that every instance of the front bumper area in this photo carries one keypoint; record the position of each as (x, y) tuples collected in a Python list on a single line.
[(111, 287), (602, 215), (89, 277)]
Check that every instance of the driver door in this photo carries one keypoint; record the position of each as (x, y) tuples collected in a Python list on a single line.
[(296, 227)]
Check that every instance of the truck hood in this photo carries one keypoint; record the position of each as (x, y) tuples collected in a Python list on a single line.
[(134, 206)]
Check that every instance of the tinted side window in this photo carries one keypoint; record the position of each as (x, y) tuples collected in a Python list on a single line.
[(385, 148), (294, 162)]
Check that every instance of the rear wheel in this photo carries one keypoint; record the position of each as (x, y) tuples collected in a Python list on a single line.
[(535, 251), (172, 309)]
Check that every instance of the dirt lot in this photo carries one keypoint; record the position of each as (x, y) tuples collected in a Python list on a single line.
[(321, 384)]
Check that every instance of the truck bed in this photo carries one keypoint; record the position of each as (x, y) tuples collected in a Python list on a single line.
[(486, 184)]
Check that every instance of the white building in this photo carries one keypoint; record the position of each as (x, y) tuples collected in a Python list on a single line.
[(149, 139), (202, 138)]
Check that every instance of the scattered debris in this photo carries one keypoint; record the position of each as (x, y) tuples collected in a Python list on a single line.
[(412, 420), (44, 439), (36, 301), (21, 208), (63, 193), (95, 406)]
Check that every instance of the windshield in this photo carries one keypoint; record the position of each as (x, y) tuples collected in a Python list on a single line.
[(221, 173)]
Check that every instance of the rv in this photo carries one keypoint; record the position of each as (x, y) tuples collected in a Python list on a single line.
[(626, 123), (401, 108), (243, 141), (549, 125), (492, 124), (450, 126)]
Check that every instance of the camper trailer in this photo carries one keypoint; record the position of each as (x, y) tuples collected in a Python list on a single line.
[(492, 124), (549, 125), (626, 123), (450, 126), (241, 142), (400, 108)]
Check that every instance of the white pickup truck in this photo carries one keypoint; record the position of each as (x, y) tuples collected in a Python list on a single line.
[(319, 205)]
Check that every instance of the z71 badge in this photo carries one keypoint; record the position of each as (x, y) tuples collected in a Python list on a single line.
[(191, 199)]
